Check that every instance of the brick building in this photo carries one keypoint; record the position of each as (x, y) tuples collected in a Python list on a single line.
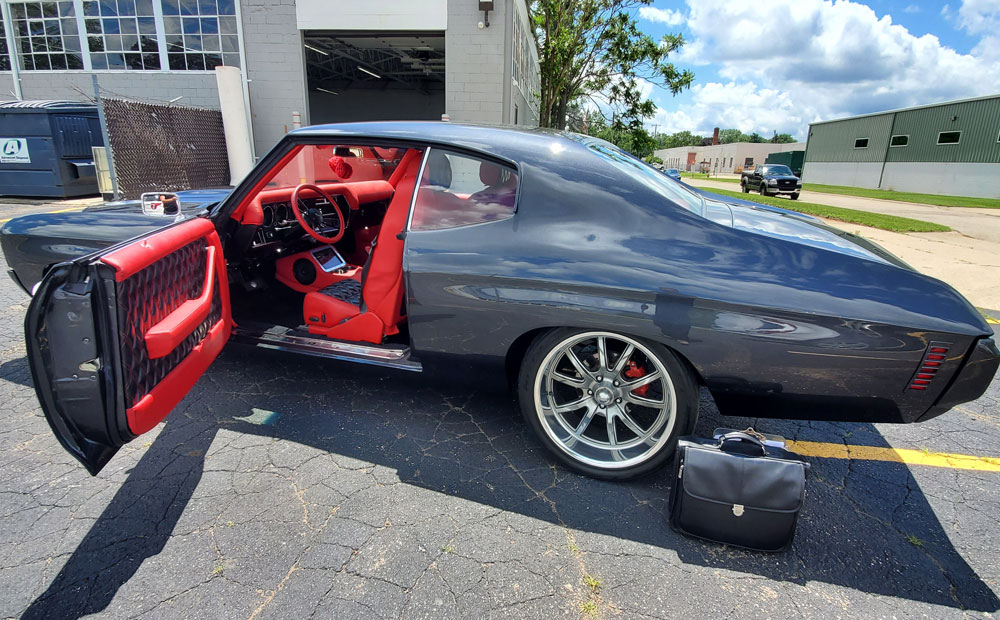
[(329, 60)]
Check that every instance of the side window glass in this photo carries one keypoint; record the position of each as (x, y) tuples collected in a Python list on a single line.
[(460, 190)]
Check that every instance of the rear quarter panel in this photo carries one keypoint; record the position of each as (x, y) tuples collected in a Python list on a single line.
[(774, 328)]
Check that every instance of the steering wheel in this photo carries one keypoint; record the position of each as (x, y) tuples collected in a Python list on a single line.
[(313, 220)]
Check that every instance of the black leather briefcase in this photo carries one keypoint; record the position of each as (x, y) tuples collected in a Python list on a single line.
[(737, 491)]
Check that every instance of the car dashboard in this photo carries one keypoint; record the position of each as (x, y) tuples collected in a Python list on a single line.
[(279, 223)]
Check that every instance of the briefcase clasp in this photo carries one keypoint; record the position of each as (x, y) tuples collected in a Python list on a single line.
[(738, 510)]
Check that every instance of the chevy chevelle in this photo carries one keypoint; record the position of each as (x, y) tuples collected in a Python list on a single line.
[(607, 292)]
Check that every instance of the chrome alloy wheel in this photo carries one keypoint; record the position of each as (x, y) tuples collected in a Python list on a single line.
[(605, 399)]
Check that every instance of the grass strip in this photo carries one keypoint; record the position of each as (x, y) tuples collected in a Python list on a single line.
[(875, 220)]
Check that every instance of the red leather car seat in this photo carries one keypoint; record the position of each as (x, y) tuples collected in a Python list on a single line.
[(370, 308)]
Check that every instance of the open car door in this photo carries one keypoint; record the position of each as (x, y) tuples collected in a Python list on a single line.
[(115, 340)]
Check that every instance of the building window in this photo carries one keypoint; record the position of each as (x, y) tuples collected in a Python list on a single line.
[(200, 34), (4, 52), (515, 113), (46, 35), (748, 162), (124, 35), (121, 36), (899, 140), (949, 137), (861, 143)]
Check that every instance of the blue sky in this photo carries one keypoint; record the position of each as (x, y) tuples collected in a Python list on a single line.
[(777, 65)]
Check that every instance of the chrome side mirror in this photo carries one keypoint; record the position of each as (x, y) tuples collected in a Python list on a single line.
[(161, 203)]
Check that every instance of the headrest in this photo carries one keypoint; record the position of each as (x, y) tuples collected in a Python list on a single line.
[(344, 151), (489, 174), (438, 170), (340, 167)]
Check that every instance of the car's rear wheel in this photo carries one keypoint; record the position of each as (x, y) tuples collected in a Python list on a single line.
[(605, 404)]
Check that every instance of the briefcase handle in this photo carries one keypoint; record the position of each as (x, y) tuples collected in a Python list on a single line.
[(739, 437)]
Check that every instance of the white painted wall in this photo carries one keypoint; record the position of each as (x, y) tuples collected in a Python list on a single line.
[(956, 179), (372, 14), (729, 156), (853, 174)]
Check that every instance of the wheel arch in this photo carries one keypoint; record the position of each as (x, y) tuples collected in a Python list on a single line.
[(518, 349)]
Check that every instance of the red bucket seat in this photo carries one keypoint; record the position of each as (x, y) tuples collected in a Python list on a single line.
[(370, 308)]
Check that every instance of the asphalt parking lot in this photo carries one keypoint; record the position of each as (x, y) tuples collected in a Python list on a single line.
[(289, 487)]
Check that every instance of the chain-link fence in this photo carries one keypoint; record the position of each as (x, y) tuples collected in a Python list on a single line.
[(165, 148)]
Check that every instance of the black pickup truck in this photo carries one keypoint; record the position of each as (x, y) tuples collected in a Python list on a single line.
[(771, 180)]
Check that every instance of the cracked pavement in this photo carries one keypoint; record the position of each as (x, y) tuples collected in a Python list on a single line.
[(287, 486)]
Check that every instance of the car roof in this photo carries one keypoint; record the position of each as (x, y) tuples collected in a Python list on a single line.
[(513, 142)]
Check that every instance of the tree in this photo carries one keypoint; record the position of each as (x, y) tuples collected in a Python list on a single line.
[(756, 137), (782, 138), (729, 136), (681, 138), (594, 49)]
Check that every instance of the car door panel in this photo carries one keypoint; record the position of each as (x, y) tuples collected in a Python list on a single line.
[(116, 341)]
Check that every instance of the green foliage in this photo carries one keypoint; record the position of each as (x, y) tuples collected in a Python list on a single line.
[(653, 159), (681, 138), (593, 50)]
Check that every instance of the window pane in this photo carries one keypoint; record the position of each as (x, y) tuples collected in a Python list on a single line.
[(231, 60), (58, 61), (66, 9), (110, 26), (227, 25), (189, 7), (176, 62), (213, 60), (147, 25), (899, 141), (230, 44), (861, 143), (126, 7), (144, 7), (91, 8), (195, 62), (206, 7), (116, 61), (109, 8), (459, 190), (949, 137), (50, 9), (151, 61)]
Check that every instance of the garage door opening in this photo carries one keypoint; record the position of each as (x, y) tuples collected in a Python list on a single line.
[(355, 77)]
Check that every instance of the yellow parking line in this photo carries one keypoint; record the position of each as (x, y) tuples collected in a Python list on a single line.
[(894, 455), (990, 319), (56, 211)]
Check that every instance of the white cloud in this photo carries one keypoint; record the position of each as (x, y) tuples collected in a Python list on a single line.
[(785, 63), (662, 16), (911, 8)]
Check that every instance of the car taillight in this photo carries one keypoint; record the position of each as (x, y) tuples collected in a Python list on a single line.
[(937, 353)]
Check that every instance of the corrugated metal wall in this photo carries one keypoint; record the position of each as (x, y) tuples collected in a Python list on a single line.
[(979, 122), (835, 141)]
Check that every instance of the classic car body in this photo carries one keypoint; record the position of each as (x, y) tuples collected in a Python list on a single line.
[(606, 290)]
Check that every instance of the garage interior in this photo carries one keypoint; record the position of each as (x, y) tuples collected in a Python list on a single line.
[(368, 77)]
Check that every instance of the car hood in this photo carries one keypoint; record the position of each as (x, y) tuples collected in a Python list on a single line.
[(192, 200)]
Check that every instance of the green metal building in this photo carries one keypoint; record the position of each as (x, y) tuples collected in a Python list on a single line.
[(942, 148)]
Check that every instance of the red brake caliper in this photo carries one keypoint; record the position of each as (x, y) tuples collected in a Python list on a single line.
[(635, 371)]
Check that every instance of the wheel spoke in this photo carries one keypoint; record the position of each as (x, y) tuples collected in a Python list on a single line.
[(641, 381), (571, 406), (577, 364), (561, 378), (623, 359), (630, 423), (642, 401), (602, 354), (612, 431), (585, 422)]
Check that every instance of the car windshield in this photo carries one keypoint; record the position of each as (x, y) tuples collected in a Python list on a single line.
[(649, 176), (778, 170)]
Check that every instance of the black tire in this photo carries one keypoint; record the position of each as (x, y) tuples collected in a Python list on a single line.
[(763, 189), (743, 185), (681, 379), (794, 196)]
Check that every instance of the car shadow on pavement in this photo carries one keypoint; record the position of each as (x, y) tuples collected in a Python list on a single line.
[(867, 525)]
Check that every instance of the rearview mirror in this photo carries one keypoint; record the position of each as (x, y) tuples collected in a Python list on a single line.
[(161, 203)]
